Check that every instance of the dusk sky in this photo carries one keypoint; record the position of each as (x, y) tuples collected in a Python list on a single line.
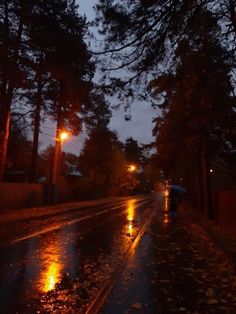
[(139, 127)]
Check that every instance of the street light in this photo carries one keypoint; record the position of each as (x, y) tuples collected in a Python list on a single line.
[(60, 139), (131, 168), (63, 136)]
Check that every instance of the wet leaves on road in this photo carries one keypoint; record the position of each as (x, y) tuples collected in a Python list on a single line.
[(177, 269)]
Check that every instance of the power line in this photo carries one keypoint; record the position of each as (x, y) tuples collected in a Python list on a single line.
[(76, 144), (50, 135), (78, 148)]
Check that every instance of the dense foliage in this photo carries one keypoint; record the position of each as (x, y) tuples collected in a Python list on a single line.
[(45, 68), (141, 36), (183, 54), (103, 162)]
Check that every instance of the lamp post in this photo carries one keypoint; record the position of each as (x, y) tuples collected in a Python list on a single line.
[(60, 139), (132, 170)]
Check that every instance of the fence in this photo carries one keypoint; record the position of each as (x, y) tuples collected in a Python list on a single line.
[(21, 195), (224, 204)]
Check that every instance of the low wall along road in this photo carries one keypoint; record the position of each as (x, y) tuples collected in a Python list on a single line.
[(20, 195)]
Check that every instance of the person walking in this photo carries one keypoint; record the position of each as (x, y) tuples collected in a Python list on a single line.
[(174, 203)]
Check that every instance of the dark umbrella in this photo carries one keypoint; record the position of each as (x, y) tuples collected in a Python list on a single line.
[(177, 188)]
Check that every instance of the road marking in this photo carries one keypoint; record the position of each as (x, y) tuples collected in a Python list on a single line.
[(101, 297), (65, 224)]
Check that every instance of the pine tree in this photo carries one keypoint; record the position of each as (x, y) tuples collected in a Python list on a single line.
[(198, 109), (12, 69), (141, 36)]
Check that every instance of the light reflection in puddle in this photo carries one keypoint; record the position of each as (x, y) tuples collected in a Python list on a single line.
[(166, 204), (166, 218), (130, 216), (130, 210), (51, 267), (51, 277), (130, 229)]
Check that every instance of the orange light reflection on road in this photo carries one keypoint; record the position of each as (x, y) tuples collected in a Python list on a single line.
[(166, 218), (130, 228), (130, 216), (51, 268), (51, 277), (130, 210), (166, 204)]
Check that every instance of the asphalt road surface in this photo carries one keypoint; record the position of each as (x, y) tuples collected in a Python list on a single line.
[(118, 256), (59, 262)]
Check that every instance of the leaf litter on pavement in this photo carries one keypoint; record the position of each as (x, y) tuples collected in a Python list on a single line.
[(177, 268)]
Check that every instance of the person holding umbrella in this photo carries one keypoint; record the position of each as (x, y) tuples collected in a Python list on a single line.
[(175, 200)]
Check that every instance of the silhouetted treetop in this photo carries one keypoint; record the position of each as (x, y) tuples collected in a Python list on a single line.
[(141, 36)]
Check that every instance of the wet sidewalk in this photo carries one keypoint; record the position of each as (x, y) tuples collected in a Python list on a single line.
[(178, 267)]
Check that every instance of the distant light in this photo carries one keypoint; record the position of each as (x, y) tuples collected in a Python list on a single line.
[(211, 170)]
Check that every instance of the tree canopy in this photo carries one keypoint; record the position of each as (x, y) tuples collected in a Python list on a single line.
[(198, 110), (46, 67), (103, 162), (141, 36)]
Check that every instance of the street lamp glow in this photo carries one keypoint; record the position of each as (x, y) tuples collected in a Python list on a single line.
[(211, 170), (63, 136), (132, 168)]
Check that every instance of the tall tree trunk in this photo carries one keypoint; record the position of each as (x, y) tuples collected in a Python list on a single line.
[(190, 178), (198, 182), (204, 177), (4, 110), (57, 151), (4, 135), (232, 9), (206, 182), (37, 116), (56, 157), (194, 177), (55, 174), (7, 89)]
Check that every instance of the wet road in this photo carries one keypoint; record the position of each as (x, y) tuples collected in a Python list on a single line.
[(177, 268), (57, 263)]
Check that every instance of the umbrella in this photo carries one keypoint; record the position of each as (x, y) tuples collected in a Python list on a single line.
[(177, 188)]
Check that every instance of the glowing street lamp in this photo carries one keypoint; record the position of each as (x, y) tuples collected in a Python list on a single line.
[(131, 168), (63, 136)]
